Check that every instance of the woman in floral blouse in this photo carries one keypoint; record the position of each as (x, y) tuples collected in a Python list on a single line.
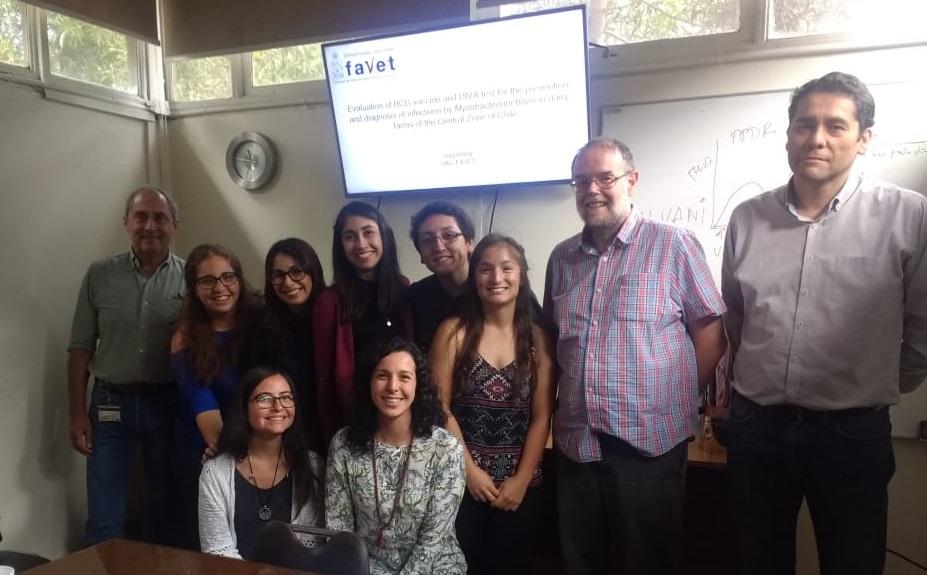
[(396, 476)]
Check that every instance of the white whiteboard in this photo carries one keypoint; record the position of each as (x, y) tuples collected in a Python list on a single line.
[(699, 158)]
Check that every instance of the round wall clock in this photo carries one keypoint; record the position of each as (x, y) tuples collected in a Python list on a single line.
[(251, 160)]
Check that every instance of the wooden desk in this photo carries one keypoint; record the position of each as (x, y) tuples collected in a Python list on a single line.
[(122, 557), (707, 452)]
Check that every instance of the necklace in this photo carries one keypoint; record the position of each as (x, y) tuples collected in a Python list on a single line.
[(381, 525), (264, 512)]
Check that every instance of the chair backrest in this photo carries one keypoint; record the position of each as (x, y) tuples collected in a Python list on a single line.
[(310, 549)]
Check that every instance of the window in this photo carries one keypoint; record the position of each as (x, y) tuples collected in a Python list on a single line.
[(287, 65), (870, 19), (201, 79), (613, 22), (12, 33), (89, 53)]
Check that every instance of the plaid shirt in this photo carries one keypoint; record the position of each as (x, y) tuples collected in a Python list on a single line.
[(628, 363)]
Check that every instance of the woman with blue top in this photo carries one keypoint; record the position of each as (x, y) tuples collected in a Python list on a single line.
[(494, 369), (204, 351), (263, 471)]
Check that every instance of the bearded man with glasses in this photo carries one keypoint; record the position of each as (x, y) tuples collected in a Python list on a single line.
[(639, 328)]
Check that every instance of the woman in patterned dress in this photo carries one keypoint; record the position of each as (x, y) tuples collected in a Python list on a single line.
[(494, 371), (396, 477)]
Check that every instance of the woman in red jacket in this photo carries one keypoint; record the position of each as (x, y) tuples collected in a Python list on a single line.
[(364, 306)]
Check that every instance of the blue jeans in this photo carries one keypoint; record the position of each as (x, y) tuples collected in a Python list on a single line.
[(146, 420), (839, 461), (627, 503)]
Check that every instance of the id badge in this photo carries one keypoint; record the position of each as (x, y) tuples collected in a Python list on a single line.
[(110, 413)]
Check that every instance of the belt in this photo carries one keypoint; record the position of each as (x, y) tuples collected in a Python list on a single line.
[(135, 387), (798, 414)]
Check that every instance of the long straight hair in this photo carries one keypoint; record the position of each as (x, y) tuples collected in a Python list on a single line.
[(472, 316), (348, 285), (277, 315), (236, 436), (195, 322)]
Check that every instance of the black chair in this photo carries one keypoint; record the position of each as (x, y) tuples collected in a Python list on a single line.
[(310, 549), (21, 561)]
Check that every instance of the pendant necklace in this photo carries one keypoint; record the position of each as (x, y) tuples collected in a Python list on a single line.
[(264, 512), (381, 525)]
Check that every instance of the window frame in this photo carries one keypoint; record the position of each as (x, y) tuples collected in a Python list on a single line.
[(142, 57), (27, 69)]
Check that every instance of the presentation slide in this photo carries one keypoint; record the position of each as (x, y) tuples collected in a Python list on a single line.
[(487, 104)]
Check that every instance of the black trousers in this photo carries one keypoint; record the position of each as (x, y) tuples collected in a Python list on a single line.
[(839, 461), (495, 541)]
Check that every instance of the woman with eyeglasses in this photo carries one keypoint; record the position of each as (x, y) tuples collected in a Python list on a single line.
[(263, 471), (293, 278), (494, 367), (218, 305), (364, 306), (395, 476)]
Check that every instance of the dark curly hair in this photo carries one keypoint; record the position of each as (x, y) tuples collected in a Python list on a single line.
[(441, 208), (426, 408), (236, 436), (839, 83)]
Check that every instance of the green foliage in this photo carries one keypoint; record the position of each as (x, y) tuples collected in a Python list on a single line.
[(286, 65), (89, 53), (801, 17), (630, 21), (12, 33), (202, 79)]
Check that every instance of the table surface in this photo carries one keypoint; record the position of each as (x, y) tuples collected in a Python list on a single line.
[(123, 557)]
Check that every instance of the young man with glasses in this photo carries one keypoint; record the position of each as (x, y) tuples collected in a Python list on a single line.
[(443, 235), (120, 335), (639, 328)]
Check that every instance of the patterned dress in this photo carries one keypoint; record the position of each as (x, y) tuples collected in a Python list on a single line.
[(494, 415), (420, 539)]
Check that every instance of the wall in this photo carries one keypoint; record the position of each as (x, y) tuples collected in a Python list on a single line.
[(307, 193), (64, 174)]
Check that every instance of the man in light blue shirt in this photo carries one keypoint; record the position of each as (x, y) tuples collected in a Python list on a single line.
[(121, 334)]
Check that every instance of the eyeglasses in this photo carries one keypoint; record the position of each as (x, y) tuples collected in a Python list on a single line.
[(431, 241), (266, 400), (604, 181), (228, 279), (277, 277)]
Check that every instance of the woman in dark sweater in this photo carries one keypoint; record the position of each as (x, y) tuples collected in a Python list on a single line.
[(293, 279), (364, 306)]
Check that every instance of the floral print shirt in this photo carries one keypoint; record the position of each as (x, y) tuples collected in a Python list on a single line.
[(420, 539)]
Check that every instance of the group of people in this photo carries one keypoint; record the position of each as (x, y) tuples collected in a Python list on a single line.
[(416, 415)]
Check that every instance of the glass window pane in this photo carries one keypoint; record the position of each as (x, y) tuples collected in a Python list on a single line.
[(614, 22), (871, 19), (89, 53), (202, 79), (12, 33), (286, 65)]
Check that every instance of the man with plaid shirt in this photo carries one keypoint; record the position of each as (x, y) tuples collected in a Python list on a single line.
[(639, 327)]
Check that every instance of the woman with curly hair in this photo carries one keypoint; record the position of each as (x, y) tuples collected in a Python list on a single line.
[(396, 476), (363, 307), (204, 349), (293, 279), (263, 470), (494, 371)]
